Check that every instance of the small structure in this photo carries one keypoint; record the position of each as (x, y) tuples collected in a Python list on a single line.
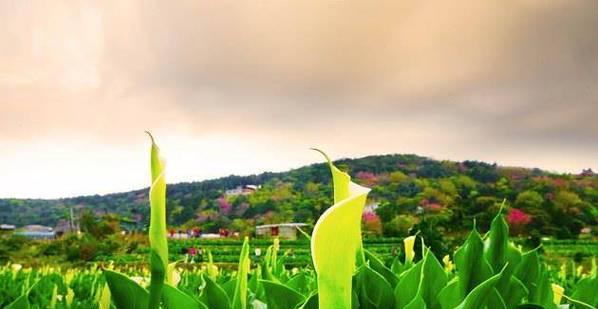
[(6, 228), (210, 236), (242, 190), (64, 227), (587, 173), (281, 230), (35, 231)]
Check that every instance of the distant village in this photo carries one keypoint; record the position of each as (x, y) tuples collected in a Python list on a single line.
[(287, 230)]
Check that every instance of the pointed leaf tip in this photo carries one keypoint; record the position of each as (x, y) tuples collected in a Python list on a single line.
[(151, 136), (323, 153)]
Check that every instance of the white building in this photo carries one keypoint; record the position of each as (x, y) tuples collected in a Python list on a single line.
[(281, 230)]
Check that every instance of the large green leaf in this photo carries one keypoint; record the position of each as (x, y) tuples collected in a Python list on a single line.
[(299, 283), (586, 291), (20, 303), (450, 297), (240, 296), (417, 303), (529, 306), (373, 290), (408, 286), (254, 284), (126, 293), (310, 303), (176, 299), (499, 252), (23, 302), (229, 287), (214, 296), (497, 249), (528, 271), (279, 296), (472, 267), (433, 279), (543, 293), (377, 265), (336, 241), (157, 228), (478, 297), (422, 283)]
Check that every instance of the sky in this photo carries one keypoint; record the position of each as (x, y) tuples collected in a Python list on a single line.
[(241, 87)]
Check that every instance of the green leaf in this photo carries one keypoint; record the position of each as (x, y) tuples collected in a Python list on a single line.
[(398, 268), (175, 299), (433, 280), (373, 291), (20, 303), (158, 275), (579, 304), (310, 303), (543, 293), (299, 283), (126, 293), (408, 286), (478, 297), (586, 291), (254, 285), (214, 296), (336, 242), (513, 294), (279, 296), (157, 228), (105, 298), (417, 303), (472, 267), (497, 249), (528, 271), (377, 265), (529, 306), (499, 252), (495, 300), (449, 297), (229, 287), (240, 298)]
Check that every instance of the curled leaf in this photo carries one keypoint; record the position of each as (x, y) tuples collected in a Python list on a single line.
[(336, 241)]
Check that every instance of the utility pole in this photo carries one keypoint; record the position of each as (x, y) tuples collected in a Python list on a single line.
[(72, 223)]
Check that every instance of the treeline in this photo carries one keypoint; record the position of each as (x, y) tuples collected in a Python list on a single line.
[(407, 190)]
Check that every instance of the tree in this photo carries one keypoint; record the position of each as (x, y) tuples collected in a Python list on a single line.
[(529, 200), (400, 225)]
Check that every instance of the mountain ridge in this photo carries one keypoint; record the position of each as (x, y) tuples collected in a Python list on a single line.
[(290, 196)]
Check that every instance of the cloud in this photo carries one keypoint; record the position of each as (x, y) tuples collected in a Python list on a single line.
[(442, 77)]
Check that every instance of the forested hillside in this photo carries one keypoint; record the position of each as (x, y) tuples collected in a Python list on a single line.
[(406, 189)]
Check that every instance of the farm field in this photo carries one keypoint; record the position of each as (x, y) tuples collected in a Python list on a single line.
[(297, 252), (486, 270), (85, 287)]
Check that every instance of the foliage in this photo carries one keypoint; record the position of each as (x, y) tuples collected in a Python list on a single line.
[(489, 272), (451, 194)]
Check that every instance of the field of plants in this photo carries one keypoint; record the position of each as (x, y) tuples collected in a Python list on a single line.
[(486, 271)]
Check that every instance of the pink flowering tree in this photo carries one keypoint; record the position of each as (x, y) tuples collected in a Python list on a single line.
[(518, 219), (224, 206), (371, 223), (367, 178)]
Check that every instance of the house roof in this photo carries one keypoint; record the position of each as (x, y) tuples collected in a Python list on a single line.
[(281, 225)]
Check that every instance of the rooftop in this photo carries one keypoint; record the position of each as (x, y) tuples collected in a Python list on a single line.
[(282, 225)]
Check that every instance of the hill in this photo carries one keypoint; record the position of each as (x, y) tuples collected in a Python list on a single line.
[(406, 189)]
